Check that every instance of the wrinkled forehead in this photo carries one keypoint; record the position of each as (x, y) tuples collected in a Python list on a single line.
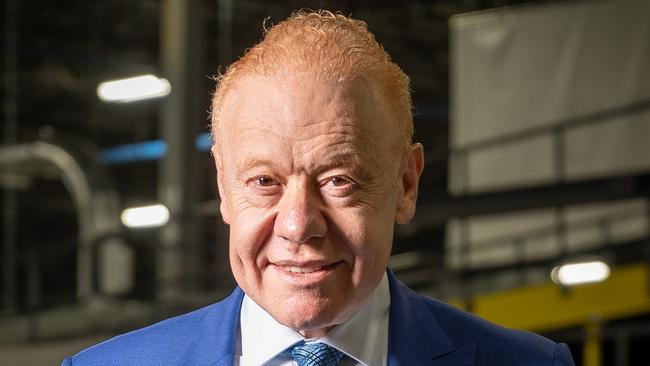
[(288, 104)]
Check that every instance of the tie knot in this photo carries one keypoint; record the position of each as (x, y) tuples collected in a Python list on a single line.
[(316, 354)]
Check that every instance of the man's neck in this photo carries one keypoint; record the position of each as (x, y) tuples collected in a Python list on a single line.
[(261, 337)]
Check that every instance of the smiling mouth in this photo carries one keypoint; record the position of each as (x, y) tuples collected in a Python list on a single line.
[(306, 269), (302, 269)]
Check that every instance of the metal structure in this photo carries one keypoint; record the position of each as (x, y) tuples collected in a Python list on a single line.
[(90, 187), (91, 41), (180, 39)]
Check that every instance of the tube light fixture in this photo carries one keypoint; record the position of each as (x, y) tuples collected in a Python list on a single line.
[(133, 89), (577, 273), (145, 216)]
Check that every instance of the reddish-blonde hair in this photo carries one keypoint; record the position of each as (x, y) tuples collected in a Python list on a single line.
[(330, 47)]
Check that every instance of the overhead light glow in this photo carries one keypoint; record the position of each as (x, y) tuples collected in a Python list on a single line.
[(132, 89), (145, 216), (572, 274)]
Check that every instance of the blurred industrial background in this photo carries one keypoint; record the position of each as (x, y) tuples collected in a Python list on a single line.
[(535, 202)]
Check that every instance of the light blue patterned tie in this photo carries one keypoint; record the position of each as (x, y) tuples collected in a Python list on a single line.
[(316, 354)]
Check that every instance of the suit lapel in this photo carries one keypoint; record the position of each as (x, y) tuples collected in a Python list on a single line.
[(415, 335), (221, 341)]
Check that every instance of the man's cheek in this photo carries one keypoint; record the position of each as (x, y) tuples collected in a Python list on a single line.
[(253, 233)]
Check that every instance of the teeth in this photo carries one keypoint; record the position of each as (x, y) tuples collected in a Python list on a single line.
[(303, 269)]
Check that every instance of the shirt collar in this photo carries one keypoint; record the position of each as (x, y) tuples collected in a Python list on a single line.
[(364, 336), (262, 337)]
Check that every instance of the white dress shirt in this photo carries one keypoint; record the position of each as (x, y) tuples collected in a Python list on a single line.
[(363, 338)]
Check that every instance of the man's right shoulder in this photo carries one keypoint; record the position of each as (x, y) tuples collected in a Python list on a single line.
[(192, 338)]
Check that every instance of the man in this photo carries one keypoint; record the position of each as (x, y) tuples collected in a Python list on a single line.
[(315, 164)]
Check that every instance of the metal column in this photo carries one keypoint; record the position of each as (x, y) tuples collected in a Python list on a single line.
[(9, 207), (592, 348), (181, 113)]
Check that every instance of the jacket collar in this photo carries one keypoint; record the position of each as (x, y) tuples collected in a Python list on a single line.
[(223, 340), (415, 335)]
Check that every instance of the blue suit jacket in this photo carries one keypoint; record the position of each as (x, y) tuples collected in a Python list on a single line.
[(422, 331)]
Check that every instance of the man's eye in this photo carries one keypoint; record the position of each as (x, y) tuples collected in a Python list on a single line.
[(339, 181), (339, 186), (264, 181)]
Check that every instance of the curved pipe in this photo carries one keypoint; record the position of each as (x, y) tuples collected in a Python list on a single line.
[(90, 186)]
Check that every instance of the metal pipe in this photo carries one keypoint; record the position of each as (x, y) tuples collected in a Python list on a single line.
[(10, 204), (96, 203)]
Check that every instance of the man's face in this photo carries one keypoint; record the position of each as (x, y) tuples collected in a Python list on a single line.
[(311, 188)]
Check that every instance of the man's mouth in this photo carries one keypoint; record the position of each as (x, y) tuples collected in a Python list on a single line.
[(305, 268), (302, 269)]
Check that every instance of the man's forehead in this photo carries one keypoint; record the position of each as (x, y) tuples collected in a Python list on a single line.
[(299, 102), (269, 114), (337, 146), (326, 161), (306, 84)]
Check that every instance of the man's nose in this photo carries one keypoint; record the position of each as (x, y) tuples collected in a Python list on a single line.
[(300, 217)]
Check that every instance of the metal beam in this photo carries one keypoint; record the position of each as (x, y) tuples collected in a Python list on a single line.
[(431, 212), (550, 307)]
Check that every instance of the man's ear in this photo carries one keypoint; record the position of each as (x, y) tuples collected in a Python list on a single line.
[(223, 205), (413, 164)]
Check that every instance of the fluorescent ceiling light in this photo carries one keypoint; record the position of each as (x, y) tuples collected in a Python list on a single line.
[(572, 274), (145, 216), (132, 89)]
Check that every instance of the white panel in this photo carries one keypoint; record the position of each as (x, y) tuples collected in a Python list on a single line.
[(491, 236), (624, 220), (584, 237), (520, 68), (543, 247), (495, 91), (491, 257), (115, 267), (529, 66), (578, 214), (620, 146), (491, 227), (517, 164), (630, 229), (452, 244)]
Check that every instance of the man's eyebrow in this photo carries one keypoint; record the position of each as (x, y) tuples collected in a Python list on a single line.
[(351, 161), (252, 162), (339, 160)]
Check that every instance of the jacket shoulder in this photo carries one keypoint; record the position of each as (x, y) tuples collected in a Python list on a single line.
[(495, 344), (175, 341)]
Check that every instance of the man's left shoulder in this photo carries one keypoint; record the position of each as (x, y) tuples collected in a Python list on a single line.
[(448, 333), (495, 344)]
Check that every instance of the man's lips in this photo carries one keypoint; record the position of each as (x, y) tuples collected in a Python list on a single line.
[(302, 269), (305, 267)]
